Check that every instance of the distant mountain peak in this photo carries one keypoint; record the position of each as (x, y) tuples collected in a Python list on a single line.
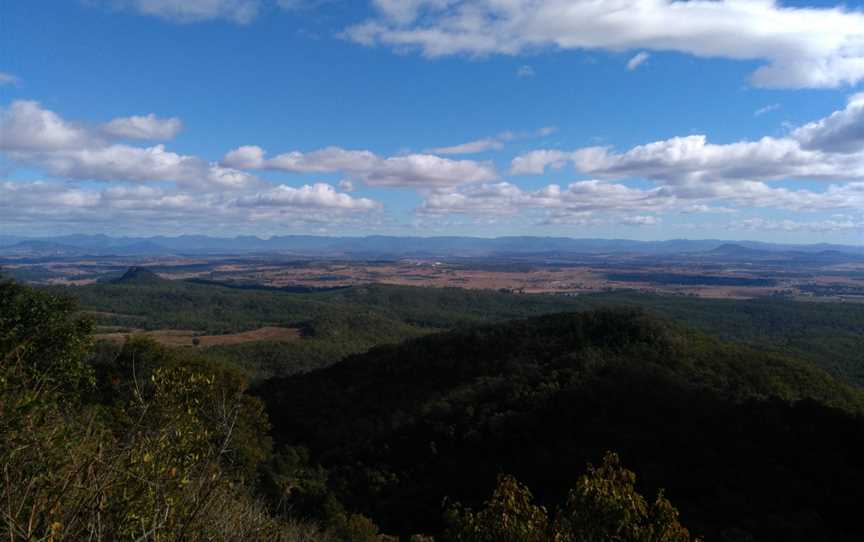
[(139, 275)]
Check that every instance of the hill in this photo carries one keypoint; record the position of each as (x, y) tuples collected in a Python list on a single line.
[(748, 443), (806, 255), (140, 276), (334, 324), (352, 320)]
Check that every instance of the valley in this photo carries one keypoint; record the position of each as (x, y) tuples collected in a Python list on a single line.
[(709, 270)]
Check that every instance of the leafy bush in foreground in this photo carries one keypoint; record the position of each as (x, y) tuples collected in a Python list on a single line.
[(162, 450)]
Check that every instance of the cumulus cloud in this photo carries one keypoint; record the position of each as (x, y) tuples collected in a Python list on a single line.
[(585, 199), (830, 149), (152, 186), (26, 126), (637, 60), (812, 47), (841, 132), (35, 136), (318, 195), (189, 11), (137, 164), (692, 175), (576, 198), (583, 203), (146, 127), (49, 205), (413, 170)]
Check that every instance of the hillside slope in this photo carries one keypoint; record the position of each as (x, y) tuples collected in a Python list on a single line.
[(747, 443), (351, 320)]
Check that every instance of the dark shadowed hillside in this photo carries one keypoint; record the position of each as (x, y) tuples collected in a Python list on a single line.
[(140, 276), (750, 445)]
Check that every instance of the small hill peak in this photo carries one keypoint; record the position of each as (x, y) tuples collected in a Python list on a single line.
[(139, 275), (733, 249)]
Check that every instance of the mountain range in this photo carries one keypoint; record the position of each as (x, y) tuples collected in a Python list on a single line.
[(391, 246)]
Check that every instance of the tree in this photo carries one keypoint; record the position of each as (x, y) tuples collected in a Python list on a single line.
[(509, 516), (603, 507), (164, 450)]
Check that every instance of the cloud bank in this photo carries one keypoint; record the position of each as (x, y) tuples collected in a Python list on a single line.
[(799, 47)]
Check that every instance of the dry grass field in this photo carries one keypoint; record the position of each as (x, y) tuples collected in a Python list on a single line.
[(835, 281), (176, 337)]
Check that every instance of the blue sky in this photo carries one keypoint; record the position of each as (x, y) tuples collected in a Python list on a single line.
[(644, 119)]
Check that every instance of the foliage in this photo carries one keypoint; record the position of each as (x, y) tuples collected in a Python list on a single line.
[(40, 338), (603, 507), (725, 428), (509, 516), (751, 440), (153, 448), (352, 320), (827, 334)]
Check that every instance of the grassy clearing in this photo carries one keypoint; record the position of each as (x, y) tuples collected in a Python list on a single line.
[(179, 337)]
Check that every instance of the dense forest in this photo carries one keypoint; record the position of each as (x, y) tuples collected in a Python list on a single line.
[(352, 320), (750, 445), (532, 418), (152, 444)]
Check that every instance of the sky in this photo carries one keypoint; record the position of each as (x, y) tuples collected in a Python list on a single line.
[(639, 119)]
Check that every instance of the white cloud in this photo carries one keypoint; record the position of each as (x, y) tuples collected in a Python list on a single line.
[(576, 198), (40, 205), (26, 126), (318, 195), (641, 220), (584, 203), (767, 109), (152, 187), (786, 225), (692, 175), (413, 170), (800, 46), (189, 11), (127, 163), (493, 143), (591, 198), (841, 132), (830, 149), (701, 208), (637, 60), (472, 147), (8, 79), (39, 137), (143, 127)]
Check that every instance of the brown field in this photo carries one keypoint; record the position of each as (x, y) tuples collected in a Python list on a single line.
[(528, 277), (177, 337), (414, 273)]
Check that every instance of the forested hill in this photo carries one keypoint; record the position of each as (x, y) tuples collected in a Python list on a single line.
[(750, 445), (351, 320)]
